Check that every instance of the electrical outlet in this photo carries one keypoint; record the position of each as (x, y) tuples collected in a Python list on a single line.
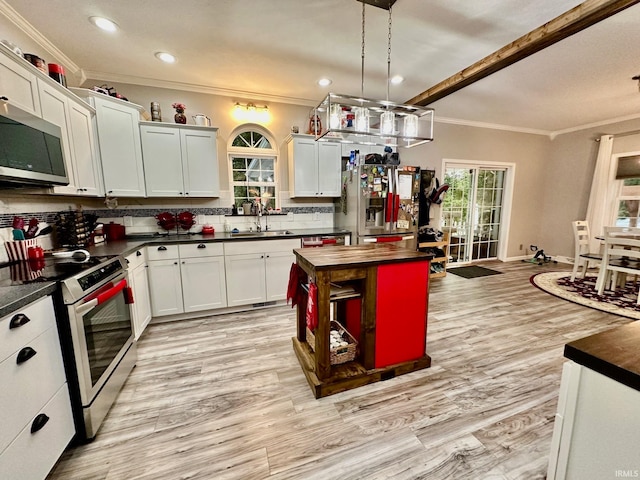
[(128, 221), (521, 246), (316, 216)]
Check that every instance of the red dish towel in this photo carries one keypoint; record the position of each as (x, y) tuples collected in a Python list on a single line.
[(295, 292), (312, 307)]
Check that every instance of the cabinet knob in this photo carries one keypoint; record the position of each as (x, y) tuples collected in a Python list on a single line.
[(25, 354), (175, 263), (138, 253), (202, 245), (110, 191), (267, 256), (39, 422), (162, 249), (18, 320), (4, 99)]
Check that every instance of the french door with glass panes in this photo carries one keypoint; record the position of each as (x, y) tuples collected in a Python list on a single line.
[(472, 211)]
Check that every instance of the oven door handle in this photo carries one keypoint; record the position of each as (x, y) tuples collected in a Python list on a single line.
[(103, 297)]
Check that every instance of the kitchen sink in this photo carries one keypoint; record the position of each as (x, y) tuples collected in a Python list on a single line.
[(268, 233)]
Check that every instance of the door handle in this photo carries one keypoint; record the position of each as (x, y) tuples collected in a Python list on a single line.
[(39, 422), (25, 354), (18, 320)]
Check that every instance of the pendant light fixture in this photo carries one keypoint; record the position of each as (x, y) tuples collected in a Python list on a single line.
[(365, 121)]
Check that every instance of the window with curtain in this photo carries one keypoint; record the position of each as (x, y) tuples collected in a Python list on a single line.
[(629, 203), (253, 168)]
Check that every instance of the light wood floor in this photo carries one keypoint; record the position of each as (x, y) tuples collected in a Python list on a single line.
[(224, 398)]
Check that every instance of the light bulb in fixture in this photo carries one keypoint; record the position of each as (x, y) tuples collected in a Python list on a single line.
[(104, 24), (324, 82), (397, 79), (387, 123), (335, 116), (411, 126), (165, 57), (361, 119)]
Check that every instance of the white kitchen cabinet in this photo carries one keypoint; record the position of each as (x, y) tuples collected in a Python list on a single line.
[(180, 160), (596, 429), (314, 167), (186, 278), (165, 287), (139, 282), (18, 82), (258, 271), (37, 421), (78, 140), (119, 143)]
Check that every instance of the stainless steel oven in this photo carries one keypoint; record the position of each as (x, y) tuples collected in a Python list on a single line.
[(101, 352)]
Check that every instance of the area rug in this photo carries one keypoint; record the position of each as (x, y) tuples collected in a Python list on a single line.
[(473, 271), (583, 291)]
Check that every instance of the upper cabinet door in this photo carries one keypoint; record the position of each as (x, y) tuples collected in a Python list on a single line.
[(85, 150), (120, 150), (303, 167), (329, 166), (200, 162), (18, 84), (162, 161), (55, 110)]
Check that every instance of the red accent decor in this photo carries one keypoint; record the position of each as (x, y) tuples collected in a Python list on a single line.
[(389, 207), (117, 288), (388, 239), (353, 312), (128, 296), (396, 207), (328, 241), (401, 312)]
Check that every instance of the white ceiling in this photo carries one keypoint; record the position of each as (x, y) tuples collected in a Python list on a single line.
[(277, 50)]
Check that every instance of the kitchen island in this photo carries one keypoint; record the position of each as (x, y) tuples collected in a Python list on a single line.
[(386, 313), (597, 424)]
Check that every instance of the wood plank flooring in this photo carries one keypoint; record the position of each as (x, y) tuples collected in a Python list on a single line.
[(223, 397)]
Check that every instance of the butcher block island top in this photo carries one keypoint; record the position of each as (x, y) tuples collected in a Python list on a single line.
[(385, 310)]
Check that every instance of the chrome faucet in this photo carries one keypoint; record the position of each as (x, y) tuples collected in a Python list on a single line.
[(258, 226)]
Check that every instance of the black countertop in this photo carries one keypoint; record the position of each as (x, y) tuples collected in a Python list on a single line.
[(15, 297), (19, 296), (614, 353)]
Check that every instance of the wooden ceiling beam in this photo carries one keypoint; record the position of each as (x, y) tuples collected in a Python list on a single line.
[(573, 21)]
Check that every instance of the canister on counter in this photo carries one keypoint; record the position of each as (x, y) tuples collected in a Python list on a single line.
[(156, 114), (57, 73)]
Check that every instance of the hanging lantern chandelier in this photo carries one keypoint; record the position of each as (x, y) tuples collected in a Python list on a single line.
[(359, 120)]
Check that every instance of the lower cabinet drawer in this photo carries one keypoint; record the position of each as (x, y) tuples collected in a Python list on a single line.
[(26, 387), (24, 325), (32, 455)]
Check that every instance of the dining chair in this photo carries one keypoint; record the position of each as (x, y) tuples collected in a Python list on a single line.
[(621, 256), (582, 256)]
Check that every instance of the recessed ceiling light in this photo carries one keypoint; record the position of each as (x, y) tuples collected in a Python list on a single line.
[(165, 57), (324, 82), (104, 24), (397, 79)]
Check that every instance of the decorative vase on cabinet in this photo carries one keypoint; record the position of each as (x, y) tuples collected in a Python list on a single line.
[(180, 117)]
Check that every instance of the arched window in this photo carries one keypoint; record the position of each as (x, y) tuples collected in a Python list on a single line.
[(252, 160)]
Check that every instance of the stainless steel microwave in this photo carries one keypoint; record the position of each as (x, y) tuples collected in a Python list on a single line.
[(30, 149)]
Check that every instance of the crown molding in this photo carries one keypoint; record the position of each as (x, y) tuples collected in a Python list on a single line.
[(492, 126), (190, 87), (17, 19), (586, 126)]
